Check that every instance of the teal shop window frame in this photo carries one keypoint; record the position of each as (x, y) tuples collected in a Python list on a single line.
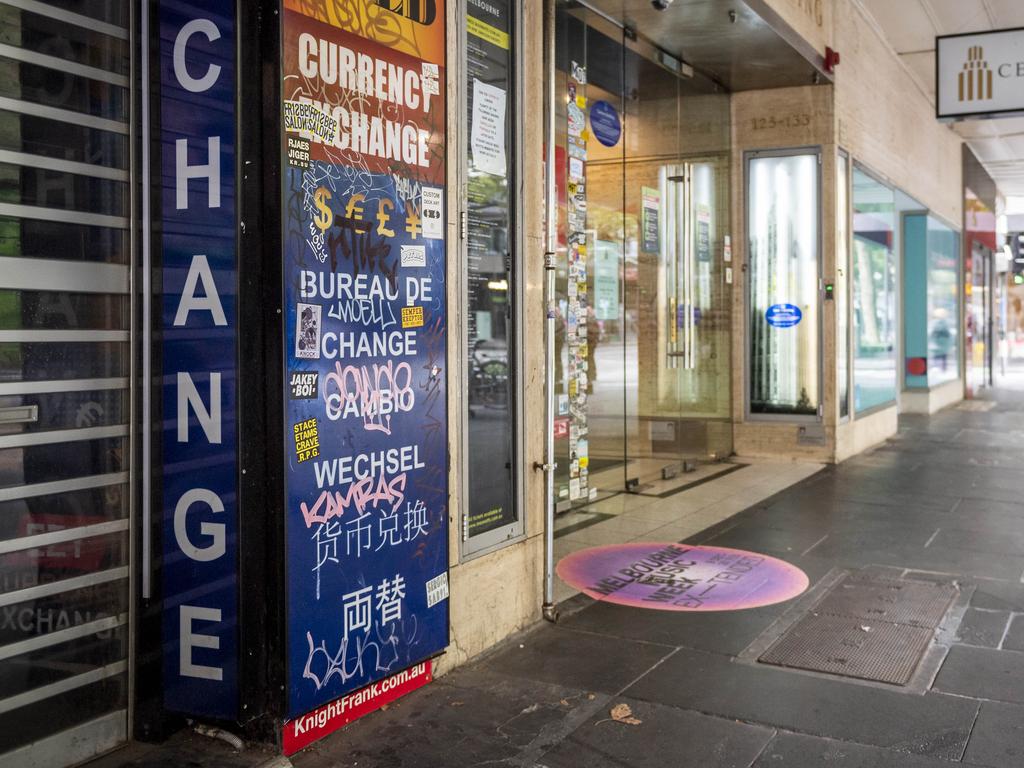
[(931, 321)]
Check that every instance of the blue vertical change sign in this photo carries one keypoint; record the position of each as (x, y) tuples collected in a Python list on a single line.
[(199, 357), (365, 330)]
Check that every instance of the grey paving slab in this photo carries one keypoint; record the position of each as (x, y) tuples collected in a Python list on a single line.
[(728, 632), (583, 660), (1005, 542), (755, 535), (793, 750), (185, 749), (932, 725), (983, 673), (998, 737), (494, 719), (982, 628), (854, 552), (999, 595), (1014, 640), (664, 737)]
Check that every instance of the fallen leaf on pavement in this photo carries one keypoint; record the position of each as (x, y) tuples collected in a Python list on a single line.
[(621, 713)]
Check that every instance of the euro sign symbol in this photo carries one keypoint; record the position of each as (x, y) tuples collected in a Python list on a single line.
[(326, 217)]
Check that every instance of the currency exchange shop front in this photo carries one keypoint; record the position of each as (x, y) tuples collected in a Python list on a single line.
[(644, 273), (365, 329)]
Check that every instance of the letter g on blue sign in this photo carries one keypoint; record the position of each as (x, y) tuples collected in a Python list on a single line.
[(783, 315), (605, 123)]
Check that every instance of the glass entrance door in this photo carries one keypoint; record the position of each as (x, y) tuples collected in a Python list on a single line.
[(64, 379), (642, 373)]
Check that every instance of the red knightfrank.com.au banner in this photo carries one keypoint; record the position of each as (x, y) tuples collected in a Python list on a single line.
[(303, 731)]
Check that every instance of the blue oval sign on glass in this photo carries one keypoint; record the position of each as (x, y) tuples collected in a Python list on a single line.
[(783, 315), (605, 123)]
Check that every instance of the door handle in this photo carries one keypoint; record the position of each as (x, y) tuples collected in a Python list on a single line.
[(19, 414)]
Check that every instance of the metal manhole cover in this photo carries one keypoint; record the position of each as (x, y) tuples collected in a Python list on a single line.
[(917, 603), (839, 645)]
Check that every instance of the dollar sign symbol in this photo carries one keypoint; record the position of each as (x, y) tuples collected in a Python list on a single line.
[(326, 217)]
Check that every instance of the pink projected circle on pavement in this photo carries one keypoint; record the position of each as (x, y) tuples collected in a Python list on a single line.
[(679, 577)]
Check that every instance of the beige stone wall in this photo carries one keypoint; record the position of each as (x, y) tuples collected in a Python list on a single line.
[(781, 118), (878, 115), (810, 19), (495, 595), (886, 122), (853, 437)]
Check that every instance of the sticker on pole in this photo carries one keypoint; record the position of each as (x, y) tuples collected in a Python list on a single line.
[(783, 315), (605, 123), (677, 577)]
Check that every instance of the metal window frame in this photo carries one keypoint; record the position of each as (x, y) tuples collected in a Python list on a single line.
[(42, 274), (30, 274), (471, 547), (35, 336), (70, 17), (64, 115), (50, 639), (897, 255), (27, 159), (64, 585), (62, 536), (28, 56), (51, 386), (848, 291), (88, 482), (34, 695), (51, 436), (815, 150)]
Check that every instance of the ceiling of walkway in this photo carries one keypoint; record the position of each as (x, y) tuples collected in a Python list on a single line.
[(911, 26), (738, 43)]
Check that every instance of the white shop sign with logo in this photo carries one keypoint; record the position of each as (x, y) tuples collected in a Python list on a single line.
[(980, 75)]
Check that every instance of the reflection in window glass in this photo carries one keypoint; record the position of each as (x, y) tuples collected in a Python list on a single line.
[(943, 303), (783, 240), (874, 293), (489, 269), (842, 285)]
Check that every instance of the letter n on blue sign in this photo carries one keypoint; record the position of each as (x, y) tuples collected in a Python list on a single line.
[(199, 352)]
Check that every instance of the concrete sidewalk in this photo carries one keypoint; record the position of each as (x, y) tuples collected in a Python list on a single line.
[(941, 502)]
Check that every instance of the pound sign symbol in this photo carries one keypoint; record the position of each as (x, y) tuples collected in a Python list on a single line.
[(326, 217)]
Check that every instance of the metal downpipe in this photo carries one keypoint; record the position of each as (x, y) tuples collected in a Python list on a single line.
[(550, 240)]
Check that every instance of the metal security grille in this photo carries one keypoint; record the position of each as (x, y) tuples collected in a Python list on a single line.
[(872, 629), (65, 366)]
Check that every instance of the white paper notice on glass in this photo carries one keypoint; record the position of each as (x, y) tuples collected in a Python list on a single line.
[(487, 138)]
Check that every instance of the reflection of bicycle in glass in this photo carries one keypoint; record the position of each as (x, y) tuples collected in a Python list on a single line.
[(488, 380)]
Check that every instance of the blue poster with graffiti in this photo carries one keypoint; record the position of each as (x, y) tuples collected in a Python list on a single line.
[(365, 332)]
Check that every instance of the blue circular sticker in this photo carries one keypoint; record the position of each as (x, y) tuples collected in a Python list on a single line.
[(605, 123), (783, 315)]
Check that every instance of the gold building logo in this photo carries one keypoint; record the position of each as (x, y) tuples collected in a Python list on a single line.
[(975, 80)]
